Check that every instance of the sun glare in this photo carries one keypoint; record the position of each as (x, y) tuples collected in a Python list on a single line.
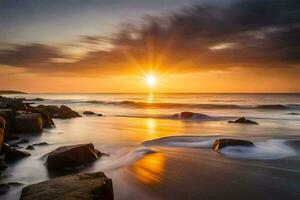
[(151, 80)]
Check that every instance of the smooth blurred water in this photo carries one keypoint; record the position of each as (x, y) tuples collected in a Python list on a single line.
[(164, 168)]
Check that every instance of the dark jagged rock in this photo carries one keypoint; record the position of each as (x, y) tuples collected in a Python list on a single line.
[(14, 154), (72, 156), (243, 120), (30, 147), (89, 113), (40, 144), (22, 141), (221, 143), (47, 119), (28, 123), (92, 186), (35, 99), (191, 115), (62, 112)]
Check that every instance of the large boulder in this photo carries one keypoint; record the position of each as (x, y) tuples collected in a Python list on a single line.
[(92, 186), (28, 123), (2, 127), (243, 120), (47, 119), (222, 143), (62, 112), (72, 156)]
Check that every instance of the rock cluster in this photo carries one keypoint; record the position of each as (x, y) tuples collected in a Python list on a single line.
[(243, 120)]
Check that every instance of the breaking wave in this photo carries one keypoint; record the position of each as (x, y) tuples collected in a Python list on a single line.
[(263, 150)]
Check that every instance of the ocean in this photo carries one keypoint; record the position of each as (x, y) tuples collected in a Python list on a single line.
[(154, 154)]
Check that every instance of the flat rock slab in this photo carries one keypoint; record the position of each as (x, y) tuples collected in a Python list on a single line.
[(93, 186)]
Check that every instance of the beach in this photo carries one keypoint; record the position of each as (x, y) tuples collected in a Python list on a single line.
[(155, 154)]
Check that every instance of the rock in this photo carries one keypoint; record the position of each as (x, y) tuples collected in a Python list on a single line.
[(72, 156), (89, 113), (221, 143), (47, 119), (30, 147), (4, 188), (5, 148), (92, 186), (35, 99), (2, 127), (100, 115), (62, 112), (28, 123), (22, 141), (243, 120), (293, 113), (40, 144), (14, 154), (8, 115), (191, 115)]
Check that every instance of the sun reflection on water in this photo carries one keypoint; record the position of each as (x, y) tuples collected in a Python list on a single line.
[(150, 169)]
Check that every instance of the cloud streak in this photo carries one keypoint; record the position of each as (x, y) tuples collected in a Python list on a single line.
[(257, 34)]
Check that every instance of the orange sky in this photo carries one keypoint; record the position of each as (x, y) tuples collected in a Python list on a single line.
[(224, 48)]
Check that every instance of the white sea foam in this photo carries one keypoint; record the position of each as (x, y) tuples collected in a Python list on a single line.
[(266, 150)]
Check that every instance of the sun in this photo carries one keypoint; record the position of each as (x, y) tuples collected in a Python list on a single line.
[(151, 80)]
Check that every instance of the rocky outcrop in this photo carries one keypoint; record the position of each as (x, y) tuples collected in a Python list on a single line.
[(14, 154), (28, 123), (47, 119), (92, 186), (72, 156), (62, 112), (243, 120), (222, 143)]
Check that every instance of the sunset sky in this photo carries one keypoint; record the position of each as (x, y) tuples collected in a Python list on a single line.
[(113, 45)]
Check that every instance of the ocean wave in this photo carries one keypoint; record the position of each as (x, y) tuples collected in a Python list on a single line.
[(123, 159), (263, 150), (137, 104)]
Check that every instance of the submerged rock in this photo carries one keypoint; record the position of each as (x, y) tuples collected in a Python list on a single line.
[(221, 143), (191, 115), (30, 147), (28, 123), (243, 120), (293, 113), (72, 156), (14, 154), (40, 144), (92, 186), (89, 113)]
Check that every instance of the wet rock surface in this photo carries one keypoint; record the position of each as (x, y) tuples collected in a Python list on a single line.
[(243, 120), (28, 123), (72, 156), (92, 186), (222, 143)]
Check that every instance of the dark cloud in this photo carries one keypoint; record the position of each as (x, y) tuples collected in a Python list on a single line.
[(256, 33), (28, 55)]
